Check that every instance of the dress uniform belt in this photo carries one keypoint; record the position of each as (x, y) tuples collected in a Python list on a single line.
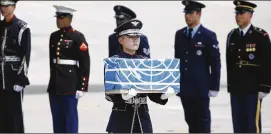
[(140, 100), (65, 62), (10, 58)]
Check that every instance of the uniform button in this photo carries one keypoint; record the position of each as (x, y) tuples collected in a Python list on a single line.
[(52, 45), (58, 48), (186, 52), (82, 88), (239, 57), (186, 61), (83, 83), (57, 53), (84, 79), (61, 35), (185, 69), (240, 66), (70, 70), (61, 39), (239, 50), (58, 43)]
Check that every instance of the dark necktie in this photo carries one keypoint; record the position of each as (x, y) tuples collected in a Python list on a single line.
[(190, 30), (242, 33)]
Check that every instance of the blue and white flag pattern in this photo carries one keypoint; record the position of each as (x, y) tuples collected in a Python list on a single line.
[(143, 75)]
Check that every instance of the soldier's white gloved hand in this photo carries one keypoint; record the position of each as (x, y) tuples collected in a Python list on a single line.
[(169, 93), (79, 94), (213, 93), (18, 88), (262, 95), (131, 93)]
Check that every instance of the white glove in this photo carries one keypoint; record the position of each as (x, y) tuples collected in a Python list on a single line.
[(18, 88), (79, 94), (213, 93), (262, 95), (169, 93), (131, 93)]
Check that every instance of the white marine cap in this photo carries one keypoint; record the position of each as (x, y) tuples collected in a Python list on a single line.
[(8, 2), (62, 9)]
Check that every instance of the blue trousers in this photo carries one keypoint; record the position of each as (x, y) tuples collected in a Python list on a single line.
[(197, 114), (64, 112), (246, 113)]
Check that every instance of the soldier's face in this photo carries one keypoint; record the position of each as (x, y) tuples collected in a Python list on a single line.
[(62, 21), (130, 43), (192, 18), (7, 10), (243, 18)]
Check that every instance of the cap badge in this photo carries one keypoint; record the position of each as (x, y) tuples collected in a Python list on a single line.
[(135, 23)]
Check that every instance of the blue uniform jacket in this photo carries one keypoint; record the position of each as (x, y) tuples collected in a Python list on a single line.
[(114, 47), (200, 62)]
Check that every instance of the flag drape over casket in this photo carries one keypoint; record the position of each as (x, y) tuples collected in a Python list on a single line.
[(143, 75)]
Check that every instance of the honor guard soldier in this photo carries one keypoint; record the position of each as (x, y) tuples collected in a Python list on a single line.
[(14, 62), (123, 14), (248, 69), (130, 113), (69, 74), (197, 48)]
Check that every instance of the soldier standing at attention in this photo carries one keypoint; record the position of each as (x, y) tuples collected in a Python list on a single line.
[(14, 63), (248, 69), (69, 72), (197, 48)]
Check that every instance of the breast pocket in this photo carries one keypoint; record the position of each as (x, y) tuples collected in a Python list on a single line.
[(199, 49)]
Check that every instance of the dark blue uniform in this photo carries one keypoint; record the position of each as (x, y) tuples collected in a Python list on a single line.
[(249, 72), (125, 116), (200, 60), (115, 47), (14, 62)]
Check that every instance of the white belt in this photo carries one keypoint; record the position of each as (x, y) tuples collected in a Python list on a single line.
[(65, 62), (10, 58)]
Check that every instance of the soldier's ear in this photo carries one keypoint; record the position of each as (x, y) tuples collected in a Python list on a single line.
[(120, 39)]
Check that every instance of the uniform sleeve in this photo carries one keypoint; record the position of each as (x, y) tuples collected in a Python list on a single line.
[(50, 52), (25, 45), (215, 63), (265, 67), (176, 46), (156, 97), (84, 64), (144, 48)]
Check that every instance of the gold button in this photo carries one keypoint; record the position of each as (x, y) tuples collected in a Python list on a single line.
[(58, 48), (58, 43), (57, 53), (254, 49)]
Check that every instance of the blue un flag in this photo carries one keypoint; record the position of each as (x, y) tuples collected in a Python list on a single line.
[(143, 75)]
